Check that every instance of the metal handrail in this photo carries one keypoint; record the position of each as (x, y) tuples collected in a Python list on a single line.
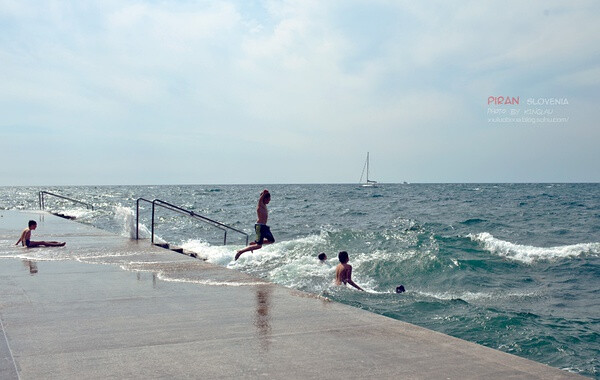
[(183, 211), (172, 207), (137, 218), (43, 205)]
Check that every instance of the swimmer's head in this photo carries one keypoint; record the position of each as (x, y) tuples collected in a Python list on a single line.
[(400, 289), (322, 256), (343, 256), (32, 224)]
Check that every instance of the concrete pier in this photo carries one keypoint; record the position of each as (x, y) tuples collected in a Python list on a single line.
[(66, 319)]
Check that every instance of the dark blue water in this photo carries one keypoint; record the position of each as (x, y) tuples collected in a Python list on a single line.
[(515, 267)]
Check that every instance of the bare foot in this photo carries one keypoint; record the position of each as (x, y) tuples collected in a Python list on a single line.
[(239, 253)]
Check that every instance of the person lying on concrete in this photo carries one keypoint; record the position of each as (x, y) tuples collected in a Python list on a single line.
[(343, 272), (263, 232), (25, 238)]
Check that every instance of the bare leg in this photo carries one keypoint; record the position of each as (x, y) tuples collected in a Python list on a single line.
[(251, 247), (46, 244)]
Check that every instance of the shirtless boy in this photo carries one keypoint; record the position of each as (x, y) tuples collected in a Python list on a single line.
[(262, 230), (343, 272), (25, 238)]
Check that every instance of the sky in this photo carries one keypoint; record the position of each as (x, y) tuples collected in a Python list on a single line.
[(232, 92)]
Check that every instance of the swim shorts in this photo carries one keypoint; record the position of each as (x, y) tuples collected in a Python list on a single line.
[(27, 242), (263, 232)]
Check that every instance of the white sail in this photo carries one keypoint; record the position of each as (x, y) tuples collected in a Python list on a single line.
[(368, 182)]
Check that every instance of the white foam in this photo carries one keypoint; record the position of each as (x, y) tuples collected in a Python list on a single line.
[(125, 217), (105, 256), (293, 263), (258, 260), (224, 255), (40, 254), (303, 273), (221, 255), (528, 254), (143, 263), (147, 266), (17, 256), (77, 213), (475, 296), (164, 277)]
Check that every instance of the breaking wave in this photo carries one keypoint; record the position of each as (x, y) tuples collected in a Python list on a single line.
[(529, 254)]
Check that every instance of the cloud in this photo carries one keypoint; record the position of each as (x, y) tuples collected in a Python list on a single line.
[(294, 78)]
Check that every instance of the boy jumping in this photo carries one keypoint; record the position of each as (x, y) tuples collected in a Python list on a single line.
[(262, 230)]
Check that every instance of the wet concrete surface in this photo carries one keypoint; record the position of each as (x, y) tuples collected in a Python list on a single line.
[(65, 319)]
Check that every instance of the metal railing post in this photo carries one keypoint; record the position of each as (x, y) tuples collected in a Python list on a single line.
[(152, 223), (137, 216), (137, 220)]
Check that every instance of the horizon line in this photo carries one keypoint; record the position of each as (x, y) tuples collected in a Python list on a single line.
[(317, 183)]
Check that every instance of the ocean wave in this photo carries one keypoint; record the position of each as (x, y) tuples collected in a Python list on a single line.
[(529, 254), (224, 255), (474, 297), (292, 263)]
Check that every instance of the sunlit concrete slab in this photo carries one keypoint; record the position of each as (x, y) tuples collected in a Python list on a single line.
[(65, 319)]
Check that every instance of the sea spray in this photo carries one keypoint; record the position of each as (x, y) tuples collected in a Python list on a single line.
[(125, 217)]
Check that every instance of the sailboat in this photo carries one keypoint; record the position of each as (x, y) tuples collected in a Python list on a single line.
[(368, 183)]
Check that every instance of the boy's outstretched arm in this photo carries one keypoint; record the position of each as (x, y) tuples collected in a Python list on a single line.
[(356, 286), (352, 282), (261, 199)]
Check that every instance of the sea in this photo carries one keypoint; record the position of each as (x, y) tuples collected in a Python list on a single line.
[(514, 267)]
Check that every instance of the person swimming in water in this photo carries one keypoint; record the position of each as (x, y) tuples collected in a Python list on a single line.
[(263, 232), (343, 271), (25, 238)]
